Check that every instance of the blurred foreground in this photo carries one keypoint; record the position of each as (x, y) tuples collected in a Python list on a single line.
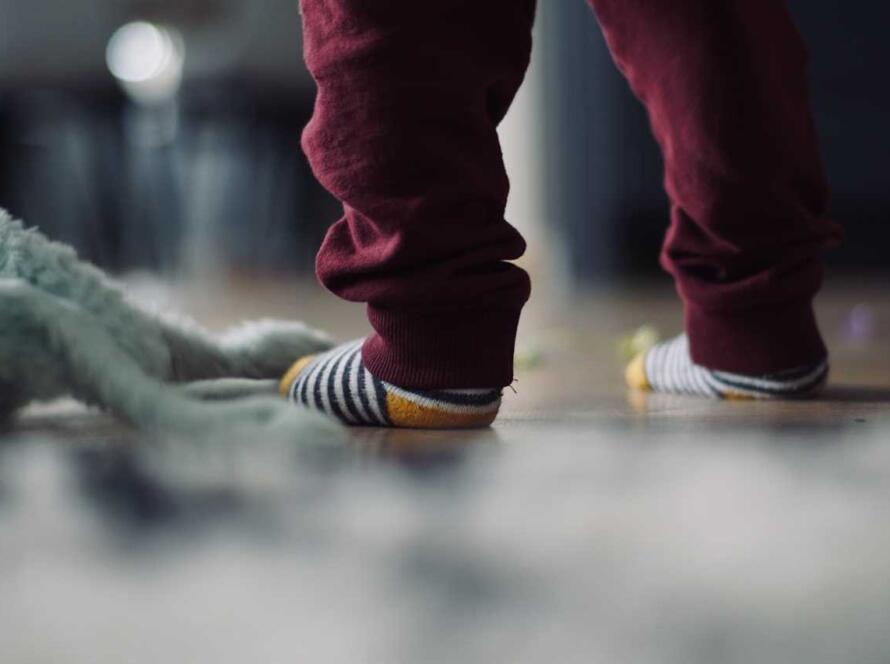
[(589, 525)]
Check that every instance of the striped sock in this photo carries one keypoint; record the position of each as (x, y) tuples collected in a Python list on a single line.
[(668, 367), (338, 384)]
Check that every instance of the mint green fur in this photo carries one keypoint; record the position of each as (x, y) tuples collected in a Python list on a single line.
[(67, 329)]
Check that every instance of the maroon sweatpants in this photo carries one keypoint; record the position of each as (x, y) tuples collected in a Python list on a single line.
[(409, 95)]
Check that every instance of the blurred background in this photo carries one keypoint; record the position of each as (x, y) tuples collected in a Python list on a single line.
[(164, 136)]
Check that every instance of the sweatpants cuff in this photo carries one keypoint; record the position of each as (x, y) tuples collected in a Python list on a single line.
[(440, 351), (755, 341)]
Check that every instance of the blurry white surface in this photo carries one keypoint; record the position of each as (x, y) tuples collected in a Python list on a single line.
[(596, 547)]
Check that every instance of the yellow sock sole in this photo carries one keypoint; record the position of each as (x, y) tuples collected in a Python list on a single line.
[(409, 415)]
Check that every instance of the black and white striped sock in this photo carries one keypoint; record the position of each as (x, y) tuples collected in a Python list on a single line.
[(668, 367), (338, 384)]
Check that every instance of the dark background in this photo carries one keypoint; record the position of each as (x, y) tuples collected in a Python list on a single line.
[(230, 186)]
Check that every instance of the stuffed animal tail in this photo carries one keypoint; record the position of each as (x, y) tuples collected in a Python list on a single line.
[(226, 389), (170, 348), (102, 373)]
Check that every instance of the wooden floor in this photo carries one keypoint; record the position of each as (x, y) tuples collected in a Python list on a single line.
[(571, 371), (569, 376)]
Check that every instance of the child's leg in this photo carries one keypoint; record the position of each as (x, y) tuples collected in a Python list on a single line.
[(725, 86), (409, 96)]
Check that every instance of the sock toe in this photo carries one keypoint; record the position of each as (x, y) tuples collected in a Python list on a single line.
[(635, 374), (292, 373)]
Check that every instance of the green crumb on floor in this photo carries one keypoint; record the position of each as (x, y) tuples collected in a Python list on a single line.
[(540, 348), (634, 343), (528, 356)]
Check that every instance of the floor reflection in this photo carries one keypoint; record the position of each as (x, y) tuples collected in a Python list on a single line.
[(422, 452), (578, 541), (137, 487)]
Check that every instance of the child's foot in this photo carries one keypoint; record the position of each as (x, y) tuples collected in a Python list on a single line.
[(338, 384), (668, 367)]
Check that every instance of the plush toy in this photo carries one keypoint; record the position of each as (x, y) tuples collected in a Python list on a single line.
[(67, 329)]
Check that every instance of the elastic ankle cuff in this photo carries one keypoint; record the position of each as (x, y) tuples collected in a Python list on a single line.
[(439, 351), (755, 341)]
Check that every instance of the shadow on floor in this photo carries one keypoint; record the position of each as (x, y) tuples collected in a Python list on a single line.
[(856, 394)]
